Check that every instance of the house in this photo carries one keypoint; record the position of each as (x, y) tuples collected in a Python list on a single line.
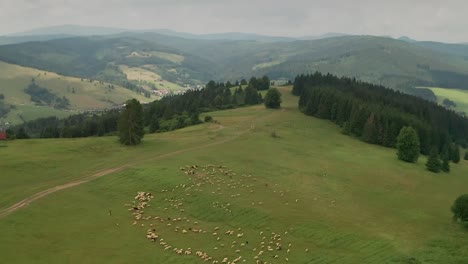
[(3, 135)]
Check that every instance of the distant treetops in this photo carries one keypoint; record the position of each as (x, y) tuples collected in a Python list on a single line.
[(382, 116), (169, 113)]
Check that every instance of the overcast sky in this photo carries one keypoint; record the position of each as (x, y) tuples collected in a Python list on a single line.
[(442, 20)]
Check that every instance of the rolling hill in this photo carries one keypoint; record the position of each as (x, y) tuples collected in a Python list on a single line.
[(394, 63), (82, 94), (325, 197), (146, 61)]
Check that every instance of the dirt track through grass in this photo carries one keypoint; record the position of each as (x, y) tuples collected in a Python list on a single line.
[(86, 178)]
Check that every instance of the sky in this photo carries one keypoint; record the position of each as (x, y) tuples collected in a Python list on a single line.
[(419, 19)]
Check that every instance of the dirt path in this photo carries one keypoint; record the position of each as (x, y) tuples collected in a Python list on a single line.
[(87, 178)]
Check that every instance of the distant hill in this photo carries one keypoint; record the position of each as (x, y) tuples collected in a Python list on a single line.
[(81, 94), (187, 59), (407, 39), (99, 58), (220, 36), (460, 50), (76, 30), (72, 30), (5, 40)]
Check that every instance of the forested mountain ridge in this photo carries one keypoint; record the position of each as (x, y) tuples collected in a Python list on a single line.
[(380, 60)]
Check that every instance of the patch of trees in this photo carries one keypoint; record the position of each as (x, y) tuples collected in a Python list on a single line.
[(376, 114), (183, 110), (260, 84), (423, 93), (42, 96), (169, 113), (449, 79), (449, 103)]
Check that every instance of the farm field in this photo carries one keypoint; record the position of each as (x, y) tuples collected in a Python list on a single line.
[(83, 95), (144, 75), (322, 196), (460, 97)]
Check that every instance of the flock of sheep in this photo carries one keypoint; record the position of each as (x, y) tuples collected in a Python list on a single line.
[(230, 243)]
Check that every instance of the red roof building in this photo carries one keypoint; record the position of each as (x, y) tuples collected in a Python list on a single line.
[(3, 135)]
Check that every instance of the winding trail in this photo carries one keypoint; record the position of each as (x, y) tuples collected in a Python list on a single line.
[(87, 178)]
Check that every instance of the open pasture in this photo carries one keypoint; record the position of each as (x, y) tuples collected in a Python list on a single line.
[(332, 197)]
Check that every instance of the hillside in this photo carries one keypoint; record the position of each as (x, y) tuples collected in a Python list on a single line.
[(99, 57), (333, 198), (394, 63), (82, 94)]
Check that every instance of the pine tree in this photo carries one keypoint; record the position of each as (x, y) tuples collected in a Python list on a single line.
[(370, 133), (131, 128), (466, 155), (154, 125), (445, 165), (455, 153), (433, 163), (408, 145), (445, 159)]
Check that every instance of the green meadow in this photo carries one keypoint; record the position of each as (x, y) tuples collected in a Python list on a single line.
[(460, 97), (323, 196), (82, 94)]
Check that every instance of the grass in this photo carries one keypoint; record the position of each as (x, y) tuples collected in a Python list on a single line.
[(460, 97), (23, 113), (356, 203), (140, 74), (83, 95)]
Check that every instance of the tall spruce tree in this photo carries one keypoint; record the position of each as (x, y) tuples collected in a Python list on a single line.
[(433, 162), (408, 145), (445, 160), (370, 133), (131, 126), (445, 165), (455, 153)]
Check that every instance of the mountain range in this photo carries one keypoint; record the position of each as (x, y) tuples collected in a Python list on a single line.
[(184, 59)]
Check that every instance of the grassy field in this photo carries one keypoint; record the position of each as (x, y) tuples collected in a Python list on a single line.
[(333, 198), (83, 95), (140, 74), (460, 97)]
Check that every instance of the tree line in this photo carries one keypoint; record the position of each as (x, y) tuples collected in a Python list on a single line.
[(169, 113), (376, 114)]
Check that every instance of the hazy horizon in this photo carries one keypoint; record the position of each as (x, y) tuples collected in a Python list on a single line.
[(421, 20)]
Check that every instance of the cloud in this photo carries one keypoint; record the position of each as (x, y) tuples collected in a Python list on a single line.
[(430, 19)]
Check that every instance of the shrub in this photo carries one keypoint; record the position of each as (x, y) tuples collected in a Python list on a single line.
[(208, 119), (273, 99), (460, 208), (408, 145)]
